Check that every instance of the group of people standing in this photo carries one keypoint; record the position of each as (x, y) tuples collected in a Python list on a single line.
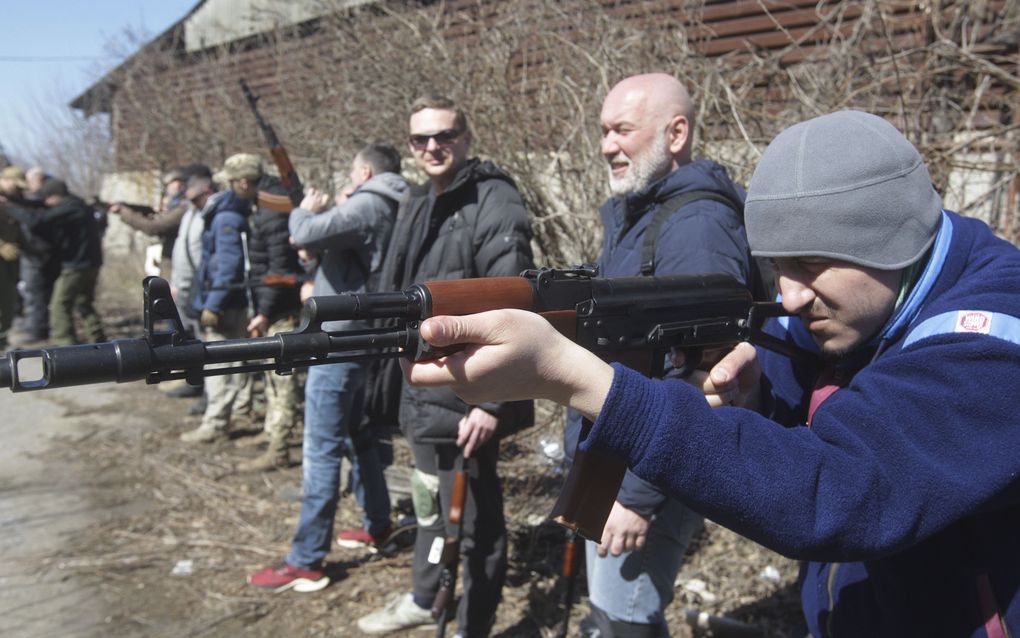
[(469, 220), (50, 257), (881, 458)]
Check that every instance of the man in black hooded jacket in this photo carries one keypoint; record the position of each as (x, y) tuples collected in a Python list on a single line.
[(467, 221)]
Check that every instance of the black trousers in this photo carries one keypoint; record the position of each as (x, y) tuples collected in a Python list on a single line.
[(483, 544)]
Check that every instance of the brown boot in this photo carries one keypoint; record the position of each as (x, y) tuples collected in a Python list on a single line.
[(253, 441), (275, 458)]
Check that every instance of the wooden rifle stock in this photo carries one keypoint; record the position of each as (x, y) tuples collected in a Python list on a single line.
[(450, 556), (274, 202), (267, 281), (594, 479), (288, 175)]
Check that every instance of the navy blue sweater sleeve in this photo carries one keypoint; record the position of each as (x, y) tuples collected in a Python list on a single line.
[(898, 455)]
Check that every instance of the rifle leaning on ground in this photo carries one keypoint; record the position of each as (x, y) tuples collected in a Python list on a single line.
[(635, 320), (289, 176), (569, 572), (446, 550)]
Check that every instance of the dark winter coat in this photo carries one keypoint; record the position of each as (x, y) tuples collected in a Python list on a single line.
[(226, 229), (271, 253), (70, 228), (704, 236), (478, 227)]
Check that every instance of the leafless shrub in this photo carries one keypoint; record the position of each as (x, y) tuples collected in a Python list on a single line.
[(532, 75)]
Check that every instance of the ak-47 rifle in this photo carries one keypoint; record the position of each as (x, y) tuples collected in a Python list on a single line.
[(635, 320), (265, 281), (141, 208), (449, 554), (288, 175)]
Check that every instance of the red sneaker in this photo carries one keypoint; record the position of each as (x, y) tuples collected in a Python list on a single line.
[(282, 577), (359, 537)]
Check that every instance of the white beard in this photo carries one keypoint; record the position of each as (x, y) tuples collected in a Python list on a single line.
[(642, 170)]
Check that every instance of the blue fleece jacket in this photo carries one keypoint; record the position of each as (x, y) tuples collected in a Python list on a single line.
[(703, 236), (902, 497), (222, 254)]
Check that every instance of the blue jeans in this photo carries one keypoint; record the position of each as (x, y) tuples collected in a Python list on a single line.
[(333, 396), (636, 587)]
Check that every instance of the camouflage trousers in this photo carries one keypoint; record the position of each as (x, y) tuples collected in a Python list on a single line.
[(281, 393)]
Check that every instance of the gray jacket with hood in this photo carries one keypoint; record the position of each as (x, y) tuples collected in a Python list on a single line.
[(350, 238)]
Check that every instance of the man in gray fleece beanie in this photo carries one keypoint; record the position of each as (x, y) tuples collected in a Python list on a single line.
[(846, 186)]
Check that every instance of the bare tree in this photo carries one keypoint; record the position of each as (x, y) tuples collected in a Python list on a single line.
[(532, 74), (67, 143)]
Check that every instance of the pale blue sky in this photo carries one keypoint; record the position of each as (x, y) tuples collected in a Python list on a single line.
[(52, 50)]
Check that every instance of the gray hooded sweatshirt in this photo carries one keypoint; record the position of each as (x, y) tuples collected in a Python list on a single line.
[(351, 238)]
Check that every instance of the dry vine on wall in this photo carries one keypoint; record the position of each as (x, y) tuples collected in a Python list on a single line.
[(532, 75)]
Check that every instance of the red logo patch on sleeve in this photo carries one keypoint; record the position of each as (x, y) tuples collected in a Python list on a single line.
[(973, 321)]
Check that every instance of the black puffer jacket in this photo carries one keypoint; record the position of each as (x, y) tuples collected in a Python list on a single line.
[(270, 253), (71, 228), (478, 227)]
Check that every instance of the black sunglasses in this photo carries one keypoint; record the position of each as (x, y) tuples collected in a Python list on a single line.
[(442, 138)]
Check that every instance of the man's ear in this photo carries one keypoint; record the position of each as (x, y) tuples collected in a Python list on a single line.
[(679, 134)]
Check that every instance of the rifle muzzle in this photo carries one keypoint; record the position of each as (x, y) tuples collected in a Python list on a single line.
[(123, 360)]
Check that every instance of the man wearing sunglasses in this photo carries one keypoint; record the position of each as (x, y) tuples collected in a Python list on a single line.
[(467, 221)]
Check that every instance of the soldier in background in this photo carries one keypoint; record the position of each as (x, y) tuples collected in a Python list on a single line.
[(276, 309), (71, 225), (164, 223), (39, 265)]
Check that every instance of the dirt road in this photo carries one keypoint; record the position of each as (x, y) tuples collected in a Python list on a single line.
[(101, 500), (44, 507)]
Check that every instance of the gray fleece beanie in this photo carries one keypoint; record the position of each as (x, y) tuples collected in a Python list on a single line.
[(847, 186)]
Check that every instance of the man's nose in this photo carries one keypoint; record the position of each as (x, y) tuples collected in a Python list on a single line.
[(610, 144), (432, 145), (796, 295)]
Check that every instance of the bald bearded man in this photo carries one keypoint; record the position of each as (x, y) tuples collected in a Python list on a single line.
[(668, 215)]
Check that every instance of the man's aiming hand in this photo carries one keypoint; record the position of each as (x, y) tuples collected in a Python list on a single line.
[(511, 355), (625, 531)]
